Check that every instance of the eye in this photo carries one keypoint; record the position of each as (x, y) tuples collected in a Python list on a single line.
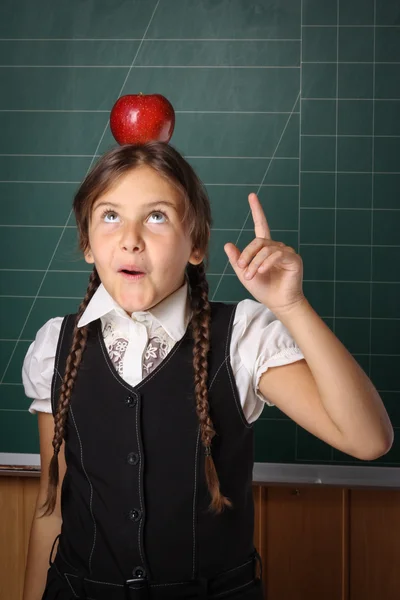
[(160, 216), (109, 213)]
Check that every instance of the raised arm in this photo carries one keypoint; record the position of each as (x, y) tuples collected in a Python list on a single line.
[(327, 393)]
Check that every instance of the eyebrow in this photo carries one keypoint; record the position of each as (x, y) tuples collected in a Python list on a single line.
[(148, 205)]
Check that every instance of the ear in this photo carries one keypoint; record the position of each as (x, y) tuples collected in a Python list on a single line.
[(89, 257), (196, 257)]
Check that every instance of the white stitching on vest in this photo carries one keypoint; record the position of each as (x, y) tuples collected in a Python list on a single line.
[(225, 362), (95, 581), (53, 391), (234, 589), (69, 583), (239, 567), (237, 401), (121, 585), (229, 330), (194, 501), (163, 364), (245, 423), (218, 370), (226, 351), (140, 470), (167, 584), (130, 389), (91, 490), (120, 380)]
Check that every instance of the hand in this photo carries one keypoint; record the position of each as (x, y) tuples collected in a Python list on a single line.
[(271, 271)]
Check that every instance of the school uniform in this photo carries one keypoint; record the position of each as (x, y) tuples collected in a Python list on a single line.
[(135, 503)]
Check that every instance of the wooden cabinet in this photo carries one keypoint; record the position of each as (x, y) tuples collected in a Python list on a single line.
[(301, 542), (374, 545), (328, 543), (17, 504), (322, 543)]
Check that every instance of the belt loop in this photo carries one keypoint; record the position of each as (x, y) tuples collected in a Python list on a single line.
[(257, 561), (51, 551)]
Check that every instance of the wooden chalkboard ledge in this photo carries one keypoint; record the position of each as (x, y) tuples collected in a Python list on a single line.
[(348, 476), (21, 465)]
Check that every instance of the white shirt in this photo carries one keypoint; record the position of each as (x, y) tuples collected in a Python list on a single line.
[(259, 341)]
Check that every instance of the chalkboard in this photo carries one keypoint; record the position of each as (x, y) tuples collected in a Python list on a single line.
[(298, 101)]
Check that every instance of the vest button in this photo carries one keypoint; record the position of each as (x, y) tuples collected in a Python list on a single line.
[(132, 458), (139, 573), (135, 514), (130, 401)]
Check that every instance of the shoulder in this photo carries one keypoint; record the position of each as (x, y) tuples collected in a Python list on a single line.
[(252, 313), (38, 364), (258, 334), (45, 342), (47, 336), (245, 309), (242, 316), (44, 346)]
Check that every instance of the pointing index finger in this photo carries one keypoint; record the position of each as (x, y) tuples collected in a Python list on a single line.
[(261, 227)]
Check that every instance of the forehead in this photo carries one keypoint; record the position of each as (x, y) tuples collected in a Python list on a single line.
[(143, 184)]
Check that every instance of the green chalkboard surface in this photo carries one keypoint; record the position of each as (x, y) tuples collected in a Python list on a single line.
[(297, 100)]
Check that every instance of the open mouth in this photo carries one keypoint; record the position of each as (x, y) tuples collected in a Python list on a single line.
[(131, 275)]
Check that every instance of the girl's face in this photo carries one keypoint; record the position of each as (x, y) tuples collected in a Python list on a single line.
[(136, 226)]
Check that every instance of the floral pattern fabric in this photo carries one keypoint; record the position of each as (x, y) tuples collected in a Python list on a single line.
[(158, 346), (157, 349)]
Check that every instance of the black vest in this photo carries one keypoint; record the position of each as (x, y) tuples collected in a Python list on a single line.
[(134, 496)]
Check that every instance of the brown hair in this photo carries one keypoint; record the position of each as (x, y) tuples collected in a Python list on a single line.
[(168, 163)]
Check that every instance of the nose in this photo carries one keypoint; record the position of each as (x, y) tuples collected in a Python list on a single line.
[(131, 238)]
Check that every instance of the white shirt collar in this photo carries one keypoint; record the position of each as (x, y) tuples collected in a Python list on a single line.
[(173, 313)]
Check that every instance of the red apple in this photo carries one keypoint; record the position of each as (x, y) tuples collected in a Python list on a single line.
[(139, 118)]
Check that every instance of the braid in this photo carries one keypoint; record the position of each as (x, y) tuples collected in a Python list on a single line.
[(71, 370), (201, 334)]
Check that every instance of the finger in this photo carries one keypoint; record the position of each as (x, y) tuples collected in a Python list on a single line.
[(284, 258), (253, 248), (233, 254), (250, 251), (258, 260), (268, 263), (261, 227)]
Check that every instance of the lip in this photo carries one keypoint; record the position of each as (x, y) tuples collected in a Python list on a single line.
[(131, 277), (131, 267)]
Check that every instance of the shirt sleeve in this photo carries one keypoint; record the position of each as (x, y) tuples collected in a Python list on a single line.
[(259, 341), (38, 366)]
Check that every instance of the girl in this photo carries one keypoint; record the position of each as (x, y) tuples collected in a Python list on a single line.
[(146, 479)]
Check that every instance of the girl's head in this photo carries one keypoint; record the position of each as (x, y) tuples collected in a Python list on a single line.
[(143, 208)]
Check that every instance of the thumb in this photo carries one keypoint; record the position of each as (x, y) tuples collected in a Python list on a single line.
[(233, 254)]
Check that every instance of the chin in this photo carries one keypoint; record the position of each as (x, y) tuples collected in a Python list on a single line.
[(131, 304), (131, 307)]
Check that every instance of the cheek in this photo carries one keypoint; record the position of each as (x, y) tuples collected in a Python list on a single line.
[(175, 249), (101, 247)]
